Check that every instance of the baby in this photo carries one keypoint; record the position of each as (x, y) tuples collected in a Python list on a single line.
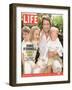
[(54, 51)]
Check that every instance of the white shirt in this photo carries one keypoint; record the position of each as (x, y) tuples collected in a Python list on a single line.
[(29, 51), (24, 44), (43, 43), (54, 46)]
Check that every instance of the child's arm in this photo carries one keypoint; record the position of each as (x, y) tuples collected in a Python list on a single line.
[(60, 49)]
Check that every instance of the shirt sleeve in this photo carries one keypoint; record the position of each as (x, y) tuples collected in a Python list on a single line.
[(46, 51)]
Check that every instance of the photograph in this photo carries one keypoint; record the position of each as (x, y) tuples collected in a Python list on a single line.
[(42, 44), (39, 44)]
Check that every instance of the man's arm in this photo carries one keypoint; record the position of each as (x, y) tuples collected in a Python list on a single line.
[(52, 53)]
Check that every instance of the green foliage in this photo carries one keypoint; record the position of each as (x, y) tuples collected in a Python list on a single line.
[(58, 22)]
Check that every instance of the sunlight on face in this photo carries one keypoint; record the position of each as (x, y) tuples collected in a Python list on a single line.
[(36, 35), (46, 25), (53, 33), (26, 36)]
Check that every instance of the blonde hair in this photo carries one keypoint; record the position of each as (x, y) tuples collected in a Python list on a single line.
[(33, 29), (54, 29), (25, 29)]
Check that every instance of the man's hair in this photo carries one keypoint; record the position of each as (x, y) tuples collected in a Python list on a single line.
[(46, 17)]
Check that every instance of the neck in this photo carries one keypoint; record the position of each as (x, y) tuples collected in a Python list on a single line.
[(54, 39), (36, 41), (26, 40), (46, 34)]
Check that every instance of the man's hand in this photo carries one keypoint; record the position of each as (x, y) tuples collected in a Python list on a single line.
[(52, 53)]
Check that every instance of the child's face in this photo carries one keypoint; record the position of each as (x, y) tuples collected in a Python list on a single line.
[(36, 35), (26, 36), (53, 35)]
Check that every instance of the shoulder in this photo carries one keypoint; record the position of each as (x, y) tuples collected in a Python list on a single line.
[(23, 42), (58, 41)]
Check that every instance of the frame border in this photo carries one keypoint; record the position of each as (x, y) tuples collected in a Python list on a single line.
[(12, 43)]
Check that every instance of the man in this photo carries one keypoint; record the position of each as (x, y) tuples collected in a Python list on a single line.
[(44, 35), (44, 38)]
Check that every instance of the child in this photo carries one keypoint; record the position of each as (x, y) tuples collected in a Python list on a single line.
[(54, 51), (35, 37), (27, 51)]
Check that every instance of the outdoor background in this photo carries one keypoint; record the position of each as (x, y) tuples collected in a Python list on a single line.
[(56, 20)]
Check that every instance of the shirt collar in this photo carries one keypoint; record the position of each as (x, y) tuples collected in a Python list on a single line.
[(42, 35)]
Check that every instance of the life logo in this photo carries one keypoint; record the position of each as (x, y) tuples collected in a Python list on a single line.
[(30, 18)]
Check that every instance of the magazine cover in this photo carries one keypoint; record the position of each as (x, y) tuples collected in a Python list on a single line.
[(41, 46)]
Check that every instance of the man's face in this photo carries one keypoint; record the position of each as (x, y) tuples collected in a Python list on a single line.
[(46, 26)]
